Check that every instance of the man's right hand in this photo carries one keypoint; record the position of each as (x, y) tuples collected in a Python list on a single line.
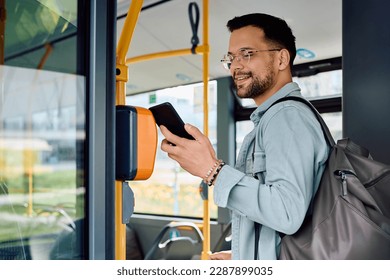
[(223, 255)]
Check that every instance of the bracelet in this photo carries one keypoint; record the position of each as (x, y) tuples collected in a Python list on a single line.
[(210, 170), (221, 164)]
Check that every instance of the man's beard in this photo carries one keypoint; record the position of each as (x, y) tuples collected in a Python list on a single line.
[(257, 87)]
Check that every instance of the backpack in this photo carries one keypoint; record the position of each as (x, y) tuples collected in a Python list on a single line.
[(349, 217)]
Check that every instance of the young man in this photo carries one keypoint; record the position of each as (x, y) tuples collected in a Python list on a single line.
[(281, 160)]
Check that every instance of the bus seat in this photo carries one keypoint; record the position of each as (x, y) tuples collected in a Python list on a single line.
[(69, 242), (14, 249), (170, 244), (180, 248), (133, 247), (224, 242)]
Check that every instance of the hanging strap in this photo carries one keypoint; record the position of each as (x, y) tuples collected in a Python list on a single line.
[(193, 6)]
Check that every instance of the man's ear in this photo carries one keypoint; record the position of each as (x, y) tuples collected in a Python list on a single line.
[(284, 59)]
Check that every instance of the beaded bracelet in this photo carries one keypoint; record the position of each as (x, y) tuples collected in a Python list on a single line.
[(221, 164), (211, 170)]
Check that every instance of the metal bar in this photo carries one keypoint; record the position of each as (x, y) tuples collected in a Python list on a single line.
[(128, 30), (121, 79), (204, 49), (206, 206), (158, 55)]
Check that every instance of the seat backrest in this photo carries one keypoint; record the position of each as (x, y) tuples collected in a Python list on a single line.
[(224, 242), (172, 244), (133, 247), (181, 248), (14, 249)]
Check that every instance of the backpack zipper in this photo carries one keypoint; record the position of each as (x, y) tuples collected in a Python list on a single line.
[(343, 176), (376, 180)]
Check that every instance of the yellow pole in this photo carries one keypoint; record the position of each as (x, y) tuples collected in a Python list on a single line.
[(205, 50), (206, 206), (121, 79)]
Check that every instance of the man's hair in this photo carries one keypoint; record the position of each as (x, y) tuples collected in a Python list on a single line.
[(275, 29)]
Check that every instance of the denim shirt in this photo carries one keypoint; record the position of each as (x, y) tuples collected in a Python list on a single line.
[(277, 172)]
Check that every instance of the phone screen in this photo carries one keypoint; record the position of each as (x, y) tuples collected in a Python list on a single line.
[(165, 114)]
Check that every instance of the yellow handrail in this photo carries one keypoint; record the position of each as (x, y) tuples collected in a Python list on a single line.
[(204, 49), (181, 52), (121, 79), (206, 206)]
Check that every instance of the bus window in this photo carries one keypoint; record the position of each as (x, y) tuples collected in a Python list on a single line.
[(321, 85), (325, 87), (171, 190), (42, 133), (333, 121)]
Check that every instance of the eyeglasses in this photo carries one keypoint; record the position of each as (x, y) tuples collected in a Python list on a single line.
[(244, 55)]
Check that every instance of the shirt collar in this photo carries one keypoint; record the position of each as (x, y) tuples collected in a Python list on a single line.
[(288, 89)]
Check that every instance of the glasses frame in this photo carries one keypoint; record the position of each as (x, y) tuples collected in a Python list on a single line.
[(245, 55)]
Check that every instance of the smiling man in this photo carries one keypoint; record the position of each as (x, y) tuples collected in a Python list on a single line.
[(281, 160)]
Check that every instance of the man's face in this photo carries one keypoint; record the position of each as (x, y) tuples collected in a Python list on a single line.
[(256, 77)]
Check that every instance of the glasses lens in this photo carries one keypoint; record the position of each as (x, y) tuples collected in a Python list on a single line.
[(246, 55), (226, 65), (226, 61)]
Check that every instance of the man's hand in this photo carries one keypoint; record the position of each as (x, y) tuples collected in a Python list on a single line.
[(223, 255), (196, 156)]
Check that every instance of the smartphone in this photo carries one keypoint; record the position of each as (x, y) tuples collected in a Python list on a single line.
[(166, 115)]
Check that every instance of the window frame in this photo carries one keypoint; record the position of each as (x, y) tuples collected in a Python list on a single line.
[(323, 105)]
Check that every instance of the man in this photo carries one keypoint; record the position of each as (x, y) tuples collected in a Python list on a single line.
[(281, 160)]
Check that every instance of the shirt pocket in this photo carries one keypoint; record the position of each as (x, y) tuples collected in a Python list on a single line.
[(256, 165)]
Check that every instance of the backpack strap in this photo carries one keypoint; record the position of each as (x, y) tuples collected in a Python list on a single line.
[(348, 145), (325, 129), (257, 237)]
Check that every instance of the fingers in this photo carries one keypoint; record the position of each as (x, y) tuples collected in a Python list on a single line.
[(169, 144), (196, 157), (177, 140), (169, 136), (170, 149), (166, 146), (223, 255), (193, 131)]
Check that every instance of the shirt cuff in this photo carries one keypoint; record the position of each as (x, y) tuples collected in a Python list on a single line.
[(227, 178)]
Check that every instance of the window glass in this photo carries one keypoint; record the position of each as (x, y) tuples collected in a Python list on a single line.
[(332, 120), (323, 84), (334, 123), (242, 129), (41, 34), (42, 133), (171, 190)]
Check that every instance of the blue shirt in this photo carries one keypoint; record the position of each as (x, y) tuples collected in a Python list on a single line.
[(287, 153)]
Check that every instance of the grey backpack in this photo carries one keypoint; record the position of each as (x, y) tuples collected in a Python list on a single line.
[(349, 217)]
